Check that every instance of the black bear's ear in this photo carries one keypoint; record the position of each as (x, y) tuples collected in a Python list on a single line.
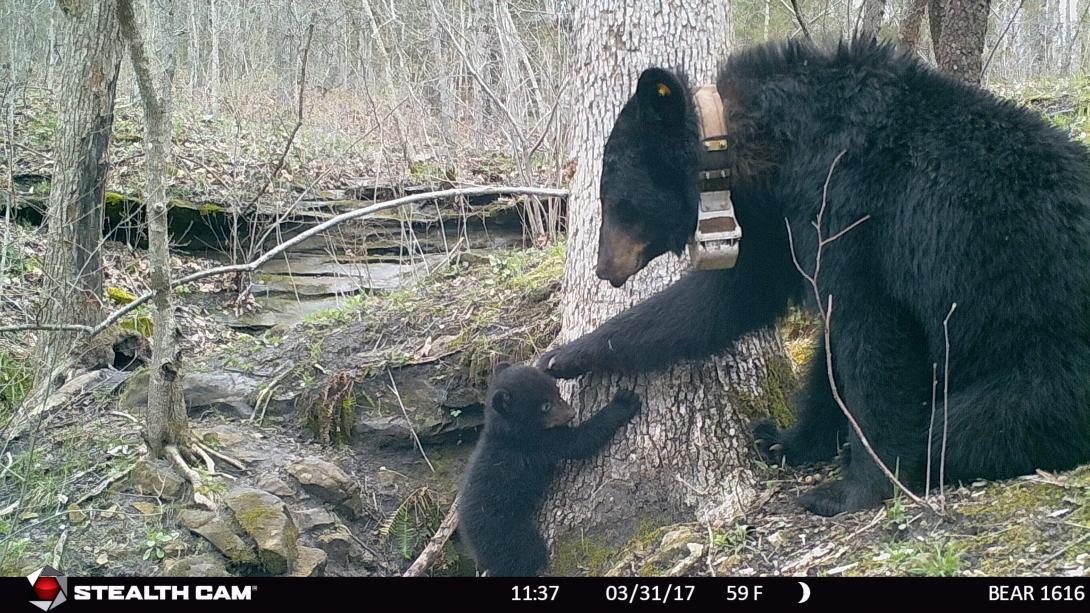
[(502, 366), (501, 401), (662, 96)]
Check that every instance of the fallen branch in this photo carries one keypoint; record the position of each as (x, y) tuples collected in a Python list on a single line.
[(296, 240), (427, 557)]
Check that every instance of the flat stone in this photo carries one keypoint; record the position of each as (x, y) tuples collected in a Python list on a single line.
[(220, 391), (221, 533), (310, 563), (310, 519), (328, 482), (266, 520), (203, 565), (156, 478), (272, 483)]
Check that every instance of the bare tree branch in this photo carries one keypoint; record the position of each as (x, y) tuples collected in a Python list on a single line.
[(826, 314), (299, 238)]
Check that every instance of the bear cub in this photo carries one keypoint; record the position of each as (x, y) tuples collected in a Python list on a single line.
[(525, 436)]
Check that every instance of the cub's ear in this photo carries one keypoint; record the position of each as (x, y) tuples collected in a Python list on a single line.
[(502, 366), (501, 401), (662, 96)]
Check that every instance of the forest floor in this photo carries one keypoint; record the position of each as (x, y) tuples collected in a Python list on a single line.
[(76, 495)]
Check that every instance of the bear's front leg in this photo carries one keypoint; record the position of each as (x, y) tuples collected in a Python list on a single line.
[(699, 315)]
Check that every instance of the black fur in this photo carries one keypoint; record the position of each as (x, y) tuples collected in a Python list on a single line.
[(523, 440), (972, 199)]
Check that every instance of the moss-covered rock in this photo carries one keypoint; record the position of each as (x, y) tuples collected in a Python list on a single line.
[(267, 521)]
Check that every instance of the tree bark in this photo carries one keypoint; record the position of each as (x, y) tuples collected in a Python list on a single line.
[(935, 16), (166, 420), (960, 47), (872, 16), (909, 32), (73, 264), (687, 451)]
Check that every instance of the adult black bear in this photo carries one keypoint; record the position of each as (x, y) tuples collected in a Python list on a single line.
[(971, 200), (523, 440)]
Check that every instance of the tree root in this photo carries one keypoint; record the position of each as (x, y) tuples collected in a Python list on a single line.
[(200, 495)]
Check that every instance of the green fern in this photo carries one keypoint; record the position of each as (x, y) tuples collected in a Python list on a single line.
[(412, 523)]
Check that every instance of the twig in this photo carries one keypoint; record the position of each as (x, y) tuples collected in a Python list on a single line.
[(58, 550), (125, 415), (226, 458), (408, 421), (999, 39), (945, 397), (826, 319), (802, 22), (265, 395), (105, 483), (931, 427), (298, 122), (1078, 541), (435, 545), (48, 328)]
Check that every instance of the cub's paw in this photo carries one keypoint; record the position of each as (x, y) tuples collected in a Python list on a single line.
[(770, 441), (628, 402), (567, 362), (837, 497)]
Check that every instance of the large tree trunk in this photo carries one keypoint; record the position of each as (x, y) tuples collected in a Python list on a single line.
[(73, 263), (960, 47), (166, 421), (685, 456)]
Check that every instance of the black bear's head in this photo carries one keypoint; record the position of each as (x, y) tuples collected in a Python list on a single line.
[(523, 399), (649, 189)]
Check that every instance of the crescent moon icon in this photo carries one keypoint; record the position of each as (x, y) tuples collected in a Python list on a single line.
[(805, 592)]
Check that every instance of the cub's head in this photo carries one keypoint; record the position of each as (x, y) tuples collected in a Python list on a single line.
[(649, 190), (525, 399)]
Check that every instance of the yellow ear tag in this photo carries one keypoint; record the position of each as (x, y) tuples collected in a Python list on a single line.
[(663, 90)]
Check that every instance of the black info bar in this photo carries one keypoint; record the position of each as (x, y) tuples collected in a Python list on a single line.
[(555, 593)]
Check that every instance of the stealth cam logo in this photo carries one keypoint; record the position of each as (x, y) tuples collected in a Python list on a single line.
[(50, 586)]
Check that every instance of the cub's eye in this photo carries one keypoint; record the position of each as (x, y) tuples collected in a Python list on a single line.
[(545, 408)]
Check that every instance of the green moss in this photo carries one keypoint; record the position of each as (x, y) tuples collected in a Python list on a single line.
[(256, 515), (503, 306), (772, 399), (16, 377), (209, 208), (119, 296), (580, 555), (114, 200), (140, 324)]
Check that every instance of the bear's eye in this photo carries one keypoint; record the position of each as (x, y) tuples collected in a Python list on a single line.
[(545, 408)]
